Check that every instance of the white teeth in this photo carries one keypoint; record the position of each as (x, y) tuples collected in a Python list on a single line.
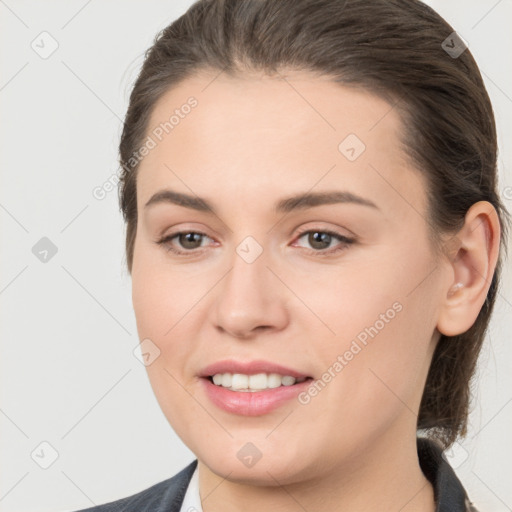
[(239, 381), (288, 381), (218, 378), (226, 380), (258, 382)]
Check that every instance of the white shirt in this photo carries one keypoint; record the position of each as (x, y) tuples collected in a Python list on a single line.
[(192, 499)]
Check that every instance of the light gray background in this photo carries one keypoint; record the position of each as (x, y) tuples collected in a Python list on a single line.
[(69, 375)]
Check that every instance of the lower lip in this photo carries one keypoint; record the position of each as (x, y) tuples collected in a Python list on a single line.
[(252, 403)]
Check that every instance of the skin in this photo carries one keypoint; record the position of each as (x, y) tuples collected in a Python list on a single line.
[(251, 141)]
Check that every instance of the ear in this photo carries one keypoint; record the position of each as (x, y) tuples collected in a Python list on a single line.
[(472, 259)]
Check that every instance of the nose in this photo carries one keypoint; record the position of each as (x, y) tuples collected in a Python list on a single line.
[(250, 299)]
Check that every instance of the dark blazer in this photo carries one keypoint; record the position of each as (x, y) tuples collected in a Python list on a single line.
[(167, 496)]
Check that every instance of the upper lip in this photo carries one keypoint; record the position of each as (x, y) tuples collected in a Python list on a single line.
[(249, 368)]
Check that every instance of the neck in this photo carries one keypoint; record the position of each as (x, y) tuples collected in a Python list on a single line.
[(384, 476)]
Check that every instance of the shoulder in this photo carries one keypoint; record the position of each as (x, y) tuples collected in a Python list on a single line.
[(165, 496)]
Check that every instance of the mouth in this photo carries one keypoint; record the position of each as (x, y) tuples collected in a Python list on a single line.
[(250, 369), (254, 383), (251, 388), (241, 399)]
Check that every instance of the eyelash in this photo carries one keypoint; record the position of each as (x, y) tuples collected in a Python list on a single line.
[(345, 242)]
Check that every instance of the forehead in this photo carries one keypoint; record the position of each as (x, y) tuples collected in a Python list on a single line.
[(262, 104), (295, 126)]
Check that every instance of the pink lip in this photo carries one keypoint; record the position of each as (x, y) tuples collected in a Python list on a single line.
[(249, 368), (251, 403)]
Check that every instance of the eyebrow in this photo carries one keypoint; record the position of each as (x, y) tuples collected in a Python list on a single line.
[(300, 201)]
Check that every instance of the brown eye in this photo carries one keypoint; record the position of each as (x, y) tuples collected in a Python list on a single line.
[(190, 240), (320, 241)]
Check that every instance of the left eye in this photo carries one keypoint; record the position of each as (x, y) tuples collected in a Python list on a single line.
[(321, 240)]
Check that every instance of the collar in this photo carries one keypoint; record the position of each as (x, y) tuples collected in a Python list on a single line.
[(449, 493)]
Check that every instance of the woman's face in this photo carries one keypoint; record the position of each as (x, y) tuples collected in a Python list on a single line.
[(354, 310)]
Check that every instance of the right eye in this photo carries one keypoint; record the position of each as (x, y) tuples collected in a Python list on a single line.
[(187, 239)]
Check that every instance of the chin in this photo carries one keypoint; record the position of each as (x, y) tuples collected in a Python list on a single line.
[(265, 471)]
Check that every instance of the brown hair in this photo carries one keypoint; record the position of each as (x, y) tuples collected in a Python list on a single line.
[(392, 48)]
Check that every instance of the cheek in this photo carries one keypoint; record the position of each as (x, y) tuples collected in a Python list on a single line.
[(165, 314), (381, 318), (163, 305), (161, 294)]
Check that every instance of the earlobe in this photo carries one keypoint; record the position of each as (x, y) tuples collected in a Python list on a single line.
[(472, 269)]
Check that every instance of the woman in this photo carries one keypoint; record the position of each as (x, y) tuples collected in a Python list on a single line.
[(315, 242)]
